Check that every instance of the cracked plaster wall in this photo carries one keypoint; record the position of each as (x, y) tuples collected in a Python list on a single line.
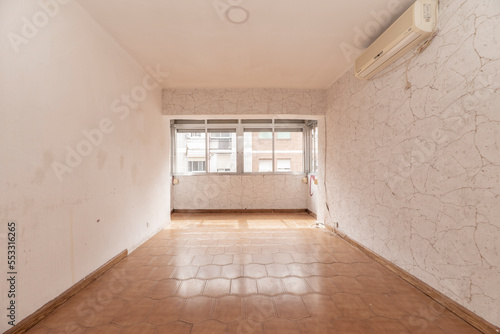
[(240, 192), (415, 174), (243, 101)]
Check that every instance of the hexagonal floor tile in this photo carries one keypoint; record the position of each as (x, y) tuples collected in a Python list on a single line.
[(164, 289), (321, 306), (197, 309), (209, 327), (166, 310), (190, 287), (316, 325), (223, 259), (281, 326), (135, 312), (232, 271), (245, 326), (270, 286), (296, 285), (255, 270), (175, 328), (209, 271), (185, 272), (277, 270), (262, 258), (217, 287), (291, 307), (228, 308), (243, 286), (260, 308)]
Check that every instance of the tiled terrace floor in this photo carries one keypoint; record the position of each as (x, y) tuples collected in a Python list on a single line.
[(249, 274)]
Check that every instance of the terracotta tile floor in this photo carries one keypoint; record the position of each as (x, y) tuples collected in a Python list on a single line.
[(249, 274)]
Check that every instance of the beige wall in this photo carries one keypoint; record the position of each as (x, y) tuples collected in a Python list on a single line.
[(64, 81), (414, 174)]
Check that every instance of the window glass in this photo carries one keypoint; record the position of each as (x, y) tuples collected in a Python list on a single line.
[(222, 151), (257, 147), (196, 166), (265, 135), (283, 135), (283, 165), (314, 148), (289, 154), (265, 165), (244, 146), (190, 151)]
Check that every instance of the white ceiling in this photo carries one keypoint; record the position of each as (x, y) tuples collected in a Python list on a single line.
[(283, 44)]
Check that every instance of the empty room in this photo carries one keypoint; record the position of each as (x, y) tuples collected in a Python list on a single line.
[(249, 166)]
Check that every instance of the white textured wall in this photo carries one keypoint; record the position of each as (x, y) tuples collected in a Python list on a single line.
[(243, 101), (63, 81), (240, 192), (415, 174)]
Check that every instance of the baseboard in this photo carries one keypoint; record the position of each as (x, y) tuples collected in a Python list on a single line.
[(191, 211), (454, 307), (30, 321), (312, 214)]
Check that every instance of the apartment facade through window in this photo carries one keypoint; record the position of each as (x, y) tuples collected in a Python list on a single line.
[(240, 146)]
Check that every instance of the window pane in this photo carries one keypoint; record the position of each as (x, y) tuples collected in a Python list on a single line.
[(257, 147), (315, 152), (284, 165), (222, 152), (289, 154), (196, 166), (283, 135), (265, 165), (190, 152), (265, 135)]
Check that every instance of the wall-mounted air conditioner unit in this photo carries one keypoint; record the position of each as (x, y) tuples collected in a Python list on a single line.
[(413, 28)]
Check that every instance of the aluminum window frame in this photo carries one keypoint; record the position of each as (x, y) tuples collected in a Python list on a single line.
[(240, 125)]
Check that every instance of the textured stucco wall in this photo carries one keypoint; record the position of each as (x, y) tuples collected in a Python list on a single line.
[(243, 101), (240, 192), (415, 174)]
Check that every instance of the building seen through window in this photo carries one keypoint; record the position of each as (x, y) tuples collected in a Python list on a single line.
[(241, 146)]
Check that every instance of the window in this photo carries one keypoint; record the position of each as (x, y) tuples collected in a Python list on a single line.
[(283, 165), (266, 135), (265, 165), (256, 150), (189, 154), (243, 146), (314, 147), (196, 166), (221, 135), (222, 150), (283, 135), (289, 154)]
